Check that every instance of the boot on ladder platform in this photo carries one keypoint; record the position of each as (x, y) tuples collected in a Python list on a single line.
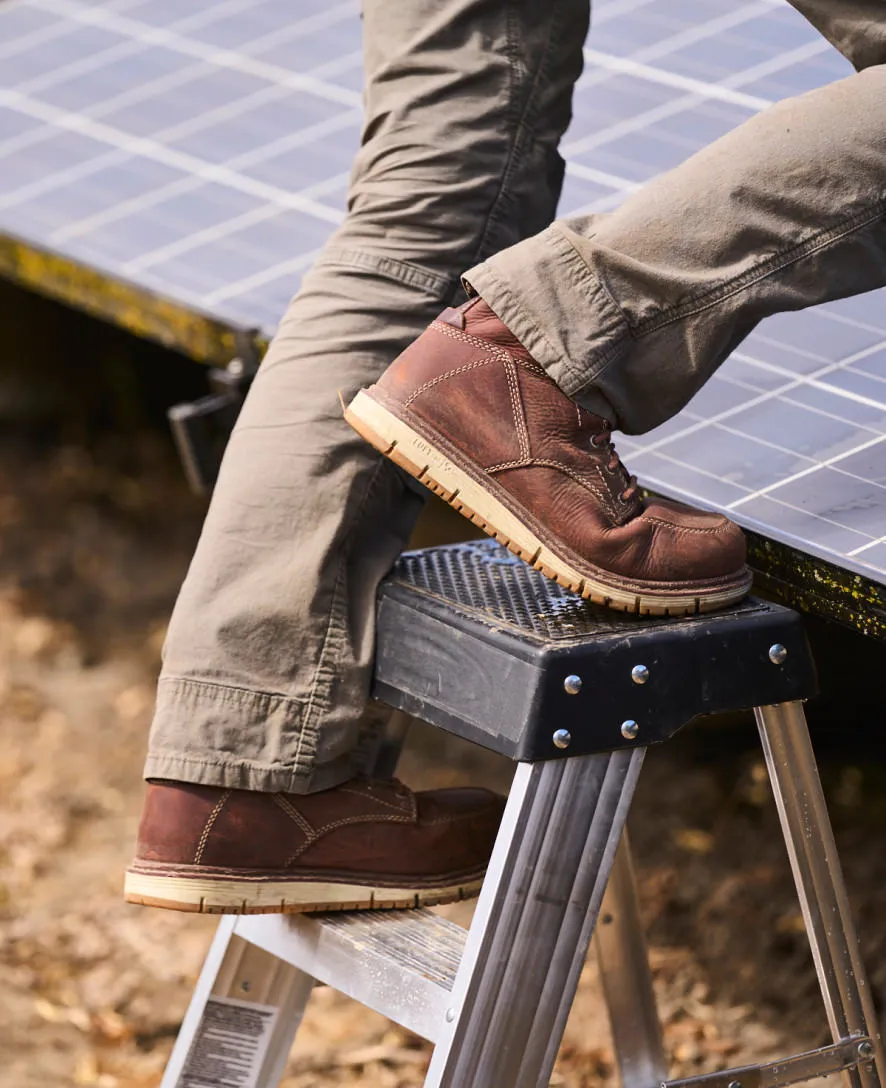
[(477, 643)]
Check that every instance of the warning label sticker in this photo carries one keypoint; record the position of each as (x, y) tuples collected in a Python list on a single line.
[(230, 1045)]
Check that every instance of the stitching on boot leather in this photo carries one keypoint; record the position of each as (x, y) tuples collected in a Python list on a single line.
[(369, 818), (517, 406), (528, 364), (449, 374), (321, 831), (294, 815), (457, 334), (682, 528), (583, 481), (508, 464), (604, 496), (213, 816), (369, 797), (603, 474), (532, 367)]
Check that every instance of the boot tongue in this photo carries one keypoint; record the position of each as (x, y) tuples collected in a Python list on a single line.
[(481, 321)]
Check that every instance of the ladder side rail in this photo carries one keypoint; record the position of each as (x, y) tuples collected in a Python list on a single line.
[(627, 980), (574, 938), (824, 902), (496, 1053), (557, 812), (526, 811)]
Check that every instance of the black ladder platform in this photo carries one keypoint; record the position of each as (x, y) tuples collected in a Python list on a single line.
[(473, 640)]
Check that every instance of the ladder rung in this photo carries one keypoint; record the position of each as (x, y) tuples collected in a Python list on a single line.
[(401, 963)]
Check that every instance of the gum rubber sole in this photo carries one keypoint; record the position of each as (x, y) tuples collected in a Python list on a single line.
[(405, 447), (216, 896)]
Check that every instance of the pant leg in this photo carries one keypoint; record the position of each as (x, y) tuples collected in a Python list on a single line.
[(267, 661), (856, 27), (636, 309)]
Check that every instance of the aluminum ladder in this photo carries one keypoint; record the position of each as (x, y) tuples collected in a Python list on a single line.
[(474, 641)]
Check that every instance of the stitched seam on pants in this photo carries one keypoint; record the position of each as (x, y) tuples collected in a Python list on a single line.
[(755, 275), (391, 267), (158, 755), (521, 134), (333, 632), (513, 136), (593, 282), (733, 287), (230, 693), (327, 639)]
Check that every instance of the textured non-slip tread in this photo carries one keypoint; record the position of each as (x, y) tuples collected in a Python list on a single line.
[(417, 940), (616, 598)]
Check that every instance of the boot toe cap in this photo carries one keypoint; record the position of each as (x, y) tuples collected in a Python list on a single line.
[(695, 544)]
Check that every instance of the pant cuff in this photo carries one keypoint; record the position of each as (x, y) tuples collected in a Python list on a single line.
[(243, 775), (558, 308), (216, 735)]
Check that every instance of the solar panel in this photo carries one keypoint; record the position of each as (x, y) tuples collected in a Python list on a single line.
[(201, 151)]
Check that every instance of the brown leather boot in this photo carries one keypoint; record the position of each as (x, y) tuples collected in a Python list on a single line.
[(365, 844), (467, 410)]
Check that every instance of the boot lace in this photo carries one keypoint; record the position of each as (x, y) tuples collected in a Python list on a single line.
[(603, 440)]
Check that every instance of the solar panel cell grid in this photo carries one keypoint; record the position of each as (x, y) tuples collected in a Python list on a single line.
[(202, 151)]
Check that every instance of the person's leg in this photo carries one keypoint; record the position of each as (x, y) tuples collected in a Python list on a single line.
[(856, 27), (267, 662), (628, 314), (786, 211)]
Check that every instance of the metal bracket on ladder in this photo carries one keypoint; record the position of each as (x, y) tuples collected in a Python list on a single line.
[(494, 1001)]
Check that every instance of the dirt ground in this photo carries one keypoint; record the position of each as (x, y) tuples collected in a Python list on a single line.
[(94, 545)]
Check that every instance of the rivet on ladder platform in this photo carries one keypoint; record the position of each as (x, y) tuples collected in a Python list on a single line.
[(475, 642)]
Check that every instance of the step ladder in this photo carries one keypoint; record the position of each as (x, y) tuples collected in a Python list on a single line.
[(475, 642)]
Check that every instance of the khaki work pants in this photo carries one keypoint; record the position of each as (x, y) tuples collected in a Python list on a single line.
[(268, 657)]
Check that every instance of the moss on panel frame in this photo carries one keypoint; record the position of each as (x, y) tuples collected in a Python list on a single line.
[(813, 585), (137, 309)]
